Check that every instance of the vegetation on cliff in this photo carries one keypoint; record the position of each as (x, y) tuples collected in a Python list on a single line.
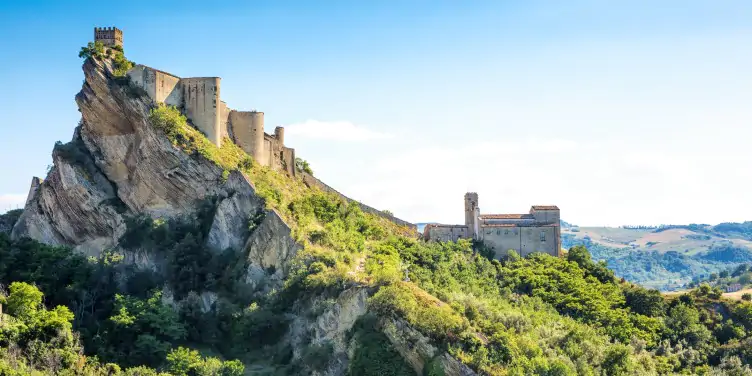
[(150, 305)]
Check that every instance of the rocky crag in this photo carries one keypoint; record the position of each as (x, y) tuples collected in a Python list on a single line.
[(118, 167)]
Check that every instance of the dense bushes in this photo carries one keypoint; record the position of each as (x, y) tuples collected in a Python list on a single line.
[(126, 329), (35, 339), (302, 165), (97, 50), (374, 355)]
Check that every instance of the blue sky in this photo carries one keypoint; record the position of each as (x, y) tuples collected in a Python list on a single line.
[(619, 112)]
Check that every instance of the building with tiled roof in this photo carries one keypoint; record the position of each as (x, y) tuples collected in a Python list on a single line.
[(537, 231)]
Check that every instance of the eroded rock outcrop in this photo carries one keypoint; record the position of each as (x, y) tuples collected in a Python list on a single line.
[(270, 248), (419, 351), (117, 166), (236, 211)]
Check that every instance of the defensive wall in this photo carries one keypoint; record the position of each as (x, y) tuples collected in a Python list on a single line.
[(311, 181), (445, 233), (199, 98)]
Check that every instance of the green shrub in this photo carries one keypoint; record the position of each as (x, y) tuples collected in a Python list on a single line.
[(92, 50), (374, 354), (302, 165), (317, 356)]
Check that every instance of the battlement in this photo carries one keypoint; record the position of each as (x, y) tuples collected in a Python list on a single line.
[(109, 36)]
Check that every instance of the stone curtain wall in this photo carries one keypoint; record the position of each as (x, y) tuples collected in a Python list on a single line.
[(312, 181), (447, 232), (167, 89), (248, 129), (201, 98)]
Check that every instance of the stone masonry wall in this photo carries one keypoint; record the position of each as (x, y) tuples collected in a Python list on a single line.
[(201, 100), (248, 131), (446, 232)]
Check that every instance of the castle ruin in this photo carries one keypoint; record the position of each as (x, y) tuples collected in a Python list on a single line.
[(537, 231), (199, 98)]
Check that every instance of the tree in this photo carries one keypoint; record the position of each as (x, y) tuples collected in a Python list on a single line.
[(747, 297), (580, 255), (741, 269), (617, 361), (645, 302), (182, 360), (187, 362), (92, 50), (302, 165)]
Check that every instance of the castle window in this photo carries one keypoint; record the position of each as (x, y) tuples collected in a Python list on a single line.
[(543, 236)]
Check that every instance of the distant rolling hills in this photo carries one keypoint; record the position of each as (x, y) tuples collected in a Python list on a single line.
[(664, 257)]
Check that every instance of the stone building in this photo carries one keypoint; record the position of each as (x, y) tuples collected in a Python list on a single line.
[(199, 99), (109, 36), (537, 231)]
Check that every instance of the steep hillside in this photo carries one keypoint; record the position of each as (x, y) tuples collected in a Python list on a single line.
[(668, 257), (154, 250)]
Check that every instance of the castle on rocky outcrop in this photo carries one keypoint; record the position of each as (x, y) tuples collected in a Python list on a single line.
[(199, 98), (200, 101), (109, 36), (537, 231)]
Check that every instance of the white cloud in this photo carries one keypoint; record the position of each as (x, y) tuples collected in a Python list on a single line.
[(333, 130), (597, 183), (11, 201)]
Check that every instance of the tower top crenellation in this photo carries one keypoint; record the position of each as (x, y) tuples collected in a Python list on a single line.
[(110, 36)]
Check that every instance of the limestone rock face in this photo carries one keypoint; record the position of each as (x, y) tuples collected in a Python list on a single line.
[(118, 165), (270, 249), (151, 175), (418, 350), (335, 322), (74, 206), (231, 223)]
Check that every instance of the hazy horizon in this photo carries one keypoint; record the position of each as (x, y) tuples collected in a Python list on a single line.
[(620, 113)]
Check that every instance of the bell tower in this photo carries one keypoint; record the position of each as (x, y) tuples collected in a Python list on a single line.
[(472, 212)]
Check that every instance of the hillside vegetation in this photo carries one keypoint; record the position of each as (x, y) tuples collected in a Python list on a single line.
[(163, 302)]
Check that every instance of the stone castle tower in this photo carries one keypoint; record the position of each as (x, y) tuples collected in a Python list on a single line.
[(109, 36), (472, 212)]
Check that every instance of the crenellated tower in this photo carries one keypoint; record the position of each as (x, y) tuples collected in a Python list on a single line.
[(109, 36)]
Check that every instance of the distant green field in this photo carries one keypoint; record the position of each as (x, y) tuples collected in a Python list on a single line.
[(669, 258)]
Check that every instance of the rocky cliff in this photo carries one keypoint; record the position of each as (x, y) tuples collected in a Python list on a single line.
[(118, 167), (115, 166)]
